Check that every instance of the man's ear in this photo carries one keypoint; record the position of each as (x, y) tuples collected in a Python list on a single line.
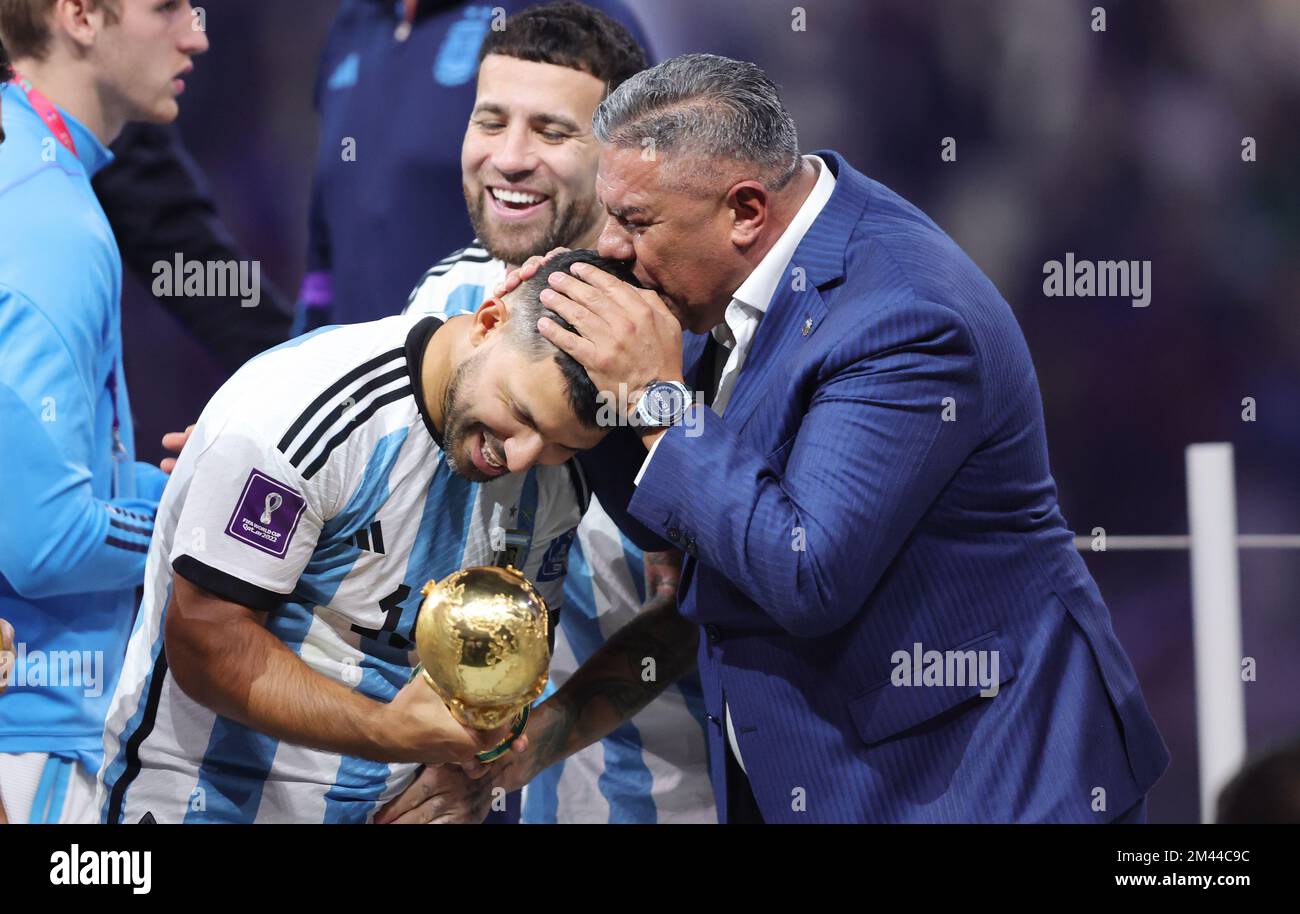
[(748, 202), (80, 20), (490, 317)]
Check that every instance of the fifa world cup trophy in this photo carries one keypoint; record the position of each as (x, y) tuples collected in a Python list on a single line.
[(482, 641)]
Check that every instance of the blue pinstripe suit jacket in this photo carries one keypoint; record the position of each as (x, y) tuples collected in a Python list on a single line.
[(878, 483)]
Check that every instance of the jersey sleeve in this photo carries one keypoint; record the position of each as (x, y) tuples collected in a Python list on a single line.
[(249, 523), (56, 536)]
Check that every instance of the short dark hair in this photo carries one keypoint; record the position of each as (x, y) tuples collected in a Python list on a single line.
[(570, 35), (528, 309)]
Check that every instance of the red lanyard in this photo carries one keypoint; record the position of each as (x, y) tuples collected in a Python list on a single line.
[(48, 113)]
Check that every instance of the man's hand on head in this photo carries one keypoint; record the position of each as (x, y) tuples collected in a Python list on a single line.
[(526, 271), (626, 336)]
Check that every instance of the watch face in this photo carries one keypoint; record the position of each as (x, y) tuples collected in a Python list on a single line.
[(663, 403)]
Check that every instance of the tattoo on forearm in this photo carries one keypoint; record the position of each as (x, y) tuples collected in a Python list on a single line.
[(637, 663), (548, 743)]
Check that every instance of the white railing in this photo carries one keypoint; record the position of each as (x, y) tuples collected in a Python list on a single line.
[(1216, 608)]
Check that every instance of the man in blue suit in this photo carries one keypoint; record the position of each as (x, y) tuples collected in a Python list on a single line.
[(896, 625)]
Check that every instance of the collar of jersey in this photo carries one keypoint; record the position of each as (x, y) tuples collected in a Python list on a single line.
[(91, 153), (417, 343)]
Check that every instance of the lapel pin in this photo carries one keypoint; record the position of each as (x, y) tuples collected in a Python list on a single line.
[(807, 326)]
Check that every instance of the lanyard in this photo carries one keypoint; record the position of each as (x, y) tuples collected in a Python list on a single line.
[(48, 113)]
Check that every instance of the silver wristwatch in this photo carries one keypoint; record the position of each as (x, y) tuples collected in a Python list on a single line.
[(663, 403)]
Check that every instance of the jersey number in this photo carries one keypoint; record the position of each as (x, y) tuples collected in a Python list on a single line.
[(392, 607)]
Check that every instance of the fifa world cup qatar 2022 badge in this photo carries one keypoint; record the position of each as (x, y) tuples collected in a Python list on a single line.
[(267, 514)]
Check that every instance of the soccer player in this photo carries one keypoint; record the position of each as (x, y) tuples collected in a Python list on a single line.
[(78, 509), (529, 174), (396, 81), (324, 484)]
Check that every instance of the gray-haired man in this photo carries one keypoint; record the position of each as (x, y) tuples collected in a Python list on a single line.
[(869, 484)]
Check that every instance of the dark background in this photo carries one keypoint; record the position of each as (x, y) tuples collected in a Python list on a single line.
[(1123, 144)]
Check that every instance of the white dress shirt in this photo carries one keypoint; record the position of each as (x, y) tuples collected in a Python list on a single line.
[(748, 305)]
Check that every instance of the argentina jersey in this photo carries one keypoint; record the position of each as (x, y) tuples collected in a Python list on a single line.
[(313, 488), (653, 768)]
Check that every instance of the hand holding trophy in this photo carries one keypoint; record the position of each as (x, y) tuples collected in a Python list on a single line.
[(481, 637)]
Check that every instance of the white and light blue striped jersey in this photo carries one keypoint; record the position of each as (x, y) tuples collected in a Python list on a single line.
[(313, 488), (653, 768)]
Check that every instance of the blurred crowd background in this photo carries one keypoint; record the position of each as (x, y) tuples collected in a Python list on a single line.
[(1122, 144)]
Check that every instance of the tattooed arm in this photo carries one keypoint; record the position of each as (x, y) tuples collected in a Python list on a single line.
[(613, 685), (629, 671)]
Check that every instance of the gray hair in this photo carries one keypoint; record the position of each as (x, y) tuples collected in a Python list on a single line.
[(705, 107)]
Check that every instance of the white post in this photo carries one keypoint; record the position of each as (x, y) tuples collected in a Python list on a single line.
[(1216, 618)]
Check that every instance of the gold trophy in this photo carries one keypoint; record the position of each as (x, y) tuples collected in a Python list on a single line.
[(481, 638)]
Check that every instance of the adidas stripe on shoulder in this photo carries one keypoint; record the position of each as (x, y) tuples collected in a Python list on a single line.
[(471, 253), (342, 408)]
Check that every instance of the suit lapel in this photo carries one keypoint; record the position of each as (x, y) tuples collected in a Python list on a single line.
[(778, 333), (797, 308)]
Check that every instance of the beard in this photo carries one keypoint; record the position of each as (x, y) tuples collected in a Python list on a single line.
[(515, 244), (459, 426)]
